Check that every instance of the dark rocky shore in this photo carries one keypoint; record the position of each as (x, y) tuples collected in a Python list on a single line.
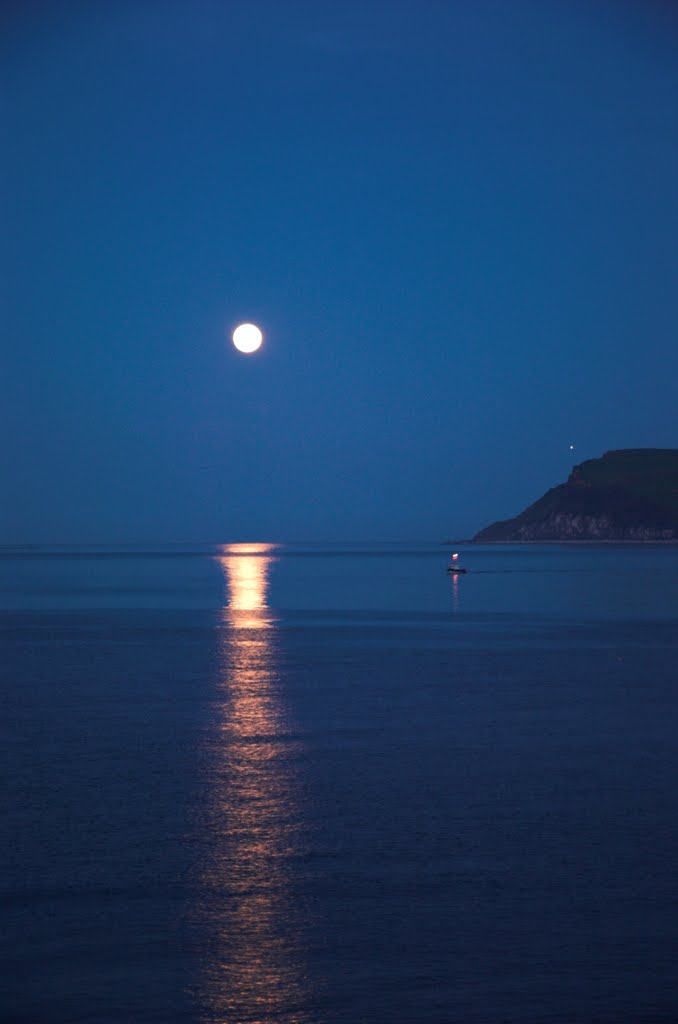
[(627, 495)]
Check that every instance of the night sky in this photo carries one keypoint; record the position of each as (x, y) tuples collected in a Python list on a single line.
[(456, 224)]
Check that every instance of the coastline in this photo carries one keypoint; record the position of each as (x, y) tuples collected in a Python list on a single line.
[(580, 543), (568, 542)]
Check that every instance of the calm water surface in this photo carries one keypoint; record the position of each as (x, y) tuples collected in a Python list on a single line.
[(300, 784)]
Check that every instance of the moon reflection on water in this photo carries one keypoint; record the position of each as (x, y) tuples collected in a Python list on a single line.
[(254, 970)]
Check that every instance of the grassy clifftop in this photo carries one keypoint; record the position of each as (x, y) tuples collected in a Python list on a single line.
[(651, 473), (629, 494)]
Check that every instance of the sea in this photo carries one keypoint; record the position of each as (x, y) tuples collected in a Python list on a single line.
[(335, 784)]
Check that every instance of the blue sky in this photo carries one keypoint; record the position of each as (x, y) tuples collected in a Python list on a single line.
[(456, 224)]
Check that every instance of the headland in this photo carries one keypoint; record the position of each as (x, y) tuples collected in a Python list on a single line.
[(628, 495)]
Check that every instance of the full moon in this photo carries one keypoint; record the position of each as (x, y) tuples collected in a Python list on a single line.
[(247, 338)]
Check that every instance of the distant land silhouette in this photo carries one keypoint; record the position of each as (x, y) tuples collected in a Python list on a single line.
[(630, 494)]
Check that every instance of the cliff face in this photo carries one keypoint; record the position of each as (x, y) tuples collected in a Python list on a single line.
[(631, 494)]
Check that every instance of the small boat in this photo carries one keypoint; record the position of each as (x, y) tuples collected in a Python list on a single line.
[(454, 566)]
